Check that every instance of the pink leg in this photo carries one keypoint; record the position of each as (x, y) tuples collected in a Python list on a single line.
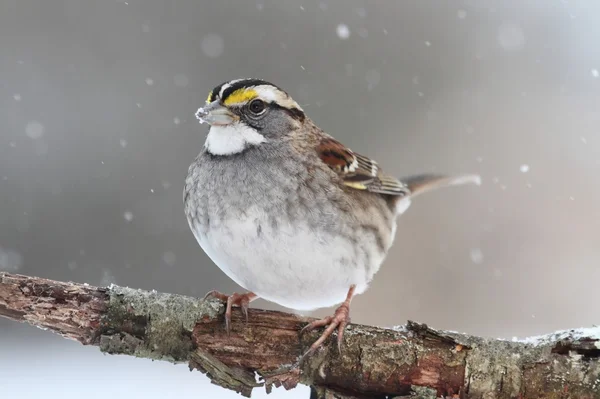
[(339, 320), (241, 300)]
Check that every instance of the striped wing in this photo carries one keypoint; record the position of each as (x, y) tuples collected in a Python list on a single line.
[(358, 171)]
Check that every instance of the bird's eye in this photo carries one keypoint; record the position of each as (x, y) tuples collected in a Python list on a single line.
[(257, 106)]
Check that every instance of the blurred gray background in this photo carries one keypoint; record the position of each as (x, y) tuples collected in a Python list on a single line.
[(97, 129)]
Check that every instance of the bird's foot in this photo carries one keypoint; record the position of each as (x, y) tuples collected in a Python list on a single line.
[(241, 300), (339, 321)]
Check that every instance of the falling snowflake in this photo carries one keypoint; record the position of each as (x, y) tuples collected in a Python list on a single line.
[(343, 31), (476, 256), (128, 216), (524, 168), (34, 130)]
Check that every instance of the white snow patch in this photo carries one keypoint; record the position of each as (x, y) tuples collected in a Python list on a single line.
[(524, 168), (461, 14), (577, 333), (427, 43), (123, 143), (176, 120), (17, 97), (595, 73), (149, 81)]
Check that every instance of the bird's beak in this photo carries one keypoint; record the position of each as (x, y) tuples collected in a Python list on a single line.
[(215, 114)]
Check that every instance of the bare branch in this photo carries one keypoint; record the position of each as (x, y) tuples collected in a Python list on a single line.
[(413, 361)]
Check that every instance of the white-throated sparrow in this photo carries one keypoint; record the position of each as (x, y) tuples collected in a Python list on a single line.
[(285, 210)]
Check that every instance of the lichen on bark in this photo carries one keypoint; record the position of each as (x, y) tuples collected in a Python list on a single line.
[(152, 325)]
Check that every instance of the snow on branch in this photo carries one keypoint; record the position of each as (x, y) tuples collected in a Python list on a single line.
[(411, 361)]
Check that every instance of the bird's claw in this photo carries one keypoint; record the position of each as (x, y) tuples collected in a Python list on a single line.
[(339, 321), (241, 300)]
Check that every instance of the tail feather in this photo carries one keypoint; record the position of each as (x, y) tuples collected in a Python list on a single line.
[(420, 184)]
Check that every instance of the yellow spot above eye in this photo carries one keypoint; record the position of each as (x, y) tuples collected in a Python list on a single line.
[(208, 98), (240, 96)]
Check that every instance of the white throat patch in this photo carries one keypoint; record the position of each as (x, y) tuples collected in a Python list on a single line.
[(231, 139)]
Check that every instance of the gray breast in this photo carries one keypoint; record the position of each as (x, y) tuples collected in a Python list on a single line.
[(225, 187)]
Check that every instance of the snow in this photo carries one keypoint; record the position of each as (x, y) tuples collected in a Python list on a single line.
[(123, 143), (476, 256), (584, 332), (594, 72), (427, 43), (149, 81), (34, 130), (343, 31), (212, 45), (461, 14), (17, 97), (176, 121), (128, 216), (524, 168)]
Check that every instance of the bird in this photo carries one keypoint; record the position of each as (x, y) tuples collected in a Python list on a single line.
[(287, 211)]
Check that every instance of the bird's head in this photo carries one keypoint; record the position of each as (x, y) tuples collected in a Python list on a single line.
[(247, 112)]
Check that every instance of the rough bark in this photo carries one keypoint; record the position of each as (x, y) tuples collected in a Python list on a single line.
[(411, 361)]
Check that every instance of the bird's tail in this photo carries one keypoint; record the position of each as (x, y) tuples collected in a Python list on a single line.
[(420, 184)]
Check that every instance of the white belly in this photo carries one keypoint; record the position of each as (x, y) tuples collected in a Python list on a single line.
[(289, 265)]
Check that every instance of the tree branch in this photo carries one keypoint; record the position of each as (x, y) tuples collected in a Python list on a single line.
[(412, 361)]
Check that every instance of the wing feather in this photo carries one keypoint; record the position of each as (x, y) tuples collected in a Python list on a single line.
[(358, 171)]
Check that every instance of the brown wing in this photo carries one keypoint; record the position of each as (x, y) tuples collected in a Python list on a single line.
[(358, 171)]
